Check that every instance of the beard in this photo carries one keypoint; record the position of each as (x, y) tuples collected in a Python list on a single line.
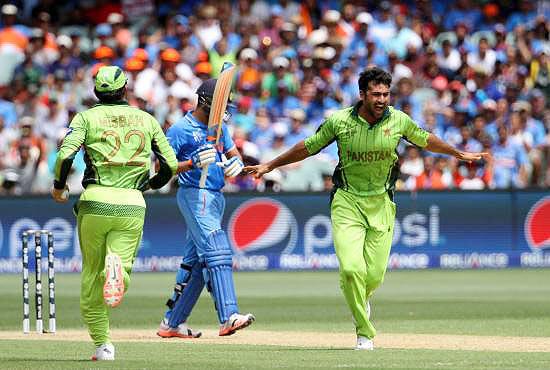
[(377, 109)]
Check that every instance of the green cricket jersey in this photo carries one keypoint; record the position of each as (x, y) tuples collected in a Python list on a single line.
[(368, 161), (118, 141)]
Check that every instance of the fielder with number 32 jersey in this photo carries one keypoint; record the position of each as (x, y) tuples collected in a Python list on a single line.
[(118, 141)]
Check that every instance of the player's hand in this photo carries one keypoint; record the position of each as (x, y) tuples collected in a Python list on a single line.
[(203, 156), (60, 195), (232, 167), (258, 170), (472, 157)]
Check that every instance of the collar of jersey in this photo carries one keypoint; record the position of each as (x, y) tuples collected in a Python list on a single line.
[(120, 102), (189, 116), (355, 112)]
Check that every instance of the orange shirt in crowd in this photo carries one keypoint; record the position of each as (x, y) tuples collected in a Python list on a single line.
[(10, 35), (433, 180)]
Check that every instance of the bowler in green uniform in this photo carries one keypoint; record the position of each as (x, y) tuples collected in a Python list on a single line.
[(118, 141), (362, 207)]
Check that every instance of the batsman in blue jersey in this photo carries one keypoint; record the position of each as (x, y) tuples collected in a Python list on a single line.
[(207, 256)]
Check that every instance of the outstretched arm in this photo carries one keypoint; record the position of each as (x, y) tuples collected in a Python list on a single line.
[(437, 145), (295, 154)]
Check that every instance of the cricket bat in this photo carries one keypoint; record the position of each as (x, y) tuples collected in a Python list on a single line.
[(217, 110)]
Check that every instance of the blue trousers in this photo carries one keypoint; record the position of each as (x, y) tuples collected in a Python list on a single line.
[(203, 210)]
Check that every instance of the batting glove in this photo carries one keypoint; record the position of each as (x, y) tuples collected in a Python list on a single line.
[(232, 167), (203, 156)]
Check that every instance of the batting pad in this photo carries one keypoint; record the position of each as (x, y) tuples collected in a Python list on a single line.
[(182, 277), (219, 265), (189, 296)]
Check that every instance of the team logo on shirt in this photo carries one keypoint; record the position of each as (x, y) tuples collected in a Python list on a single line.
[(387, 132), (198, 136), (349, 132), (368, 156)]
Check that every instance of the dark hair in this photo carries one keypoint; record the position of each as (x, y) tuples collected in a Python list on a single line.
[(111, 96), (374, 74)]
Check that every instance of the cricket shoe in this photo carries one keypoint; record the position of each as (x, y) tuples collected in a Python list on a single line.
[(182, 331), (364, 344), (113, 289), (105, 352), (236, 322)]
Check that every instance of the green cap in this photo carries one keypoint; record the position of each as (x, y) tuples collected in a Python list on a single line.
[(109, 78)]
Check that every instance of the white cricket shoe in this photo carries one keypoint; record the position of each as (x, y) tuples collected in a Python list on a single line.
[(105, 352), (364, 343), (236, 322), (182, 331)]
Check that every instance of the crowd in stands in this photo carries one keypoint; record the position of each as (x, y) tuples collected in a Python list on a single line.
[(475, 73)]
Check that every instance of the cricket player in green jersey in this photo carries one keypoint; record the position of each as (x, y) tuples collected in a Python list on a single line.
[(118, 141), (362, 207)]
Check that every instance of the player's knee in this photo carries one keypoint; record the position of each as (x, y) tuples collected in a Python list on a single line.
[(375, 279), (218, 252), (183, 272), (351, 271)]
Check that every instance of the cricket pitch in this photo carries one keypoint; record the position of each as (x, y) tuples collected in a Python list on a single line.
[(315, 340)]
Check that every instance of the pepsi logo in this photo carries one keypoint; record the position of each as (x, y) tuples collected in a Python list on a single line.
[(537, 225), (262, 223)]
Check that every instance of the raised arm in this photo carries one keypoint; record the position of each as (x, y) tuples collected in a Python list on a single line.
[(295, 154), (437, 145)]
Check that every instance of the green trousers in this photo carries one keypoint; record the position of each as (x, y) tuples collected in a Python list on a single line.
[(105, 228), (362, 229)]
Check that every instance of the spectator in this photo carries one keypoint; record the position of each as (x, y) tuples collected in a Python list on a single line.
[(249, 75), (471, 181), (220, 54), (432, 176), (280, 105), (484, 58), (7, 108), (357, 45), (411, 167), (244, 119), (270, 82), (11, 38), (456, 69), (297, 131), (23, 162), (510, 162)]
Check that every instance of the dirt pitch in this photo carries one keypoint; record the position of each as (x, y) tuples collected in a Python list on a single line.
[(316, 340)]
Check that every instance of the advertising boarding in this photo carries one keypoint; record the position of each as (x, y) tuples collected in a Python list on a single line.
[(449, 230)]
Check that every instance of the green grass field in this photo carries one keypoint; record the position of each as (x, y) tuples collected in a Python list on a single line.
[(477, 303)]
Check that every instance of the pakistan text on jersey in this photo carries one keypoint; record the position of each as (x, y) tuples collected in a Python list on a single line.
[(369, 156), (122, 121)]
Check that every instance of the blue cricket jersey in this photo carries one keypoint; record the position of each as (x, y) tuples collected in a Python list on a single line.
[(187, 135)]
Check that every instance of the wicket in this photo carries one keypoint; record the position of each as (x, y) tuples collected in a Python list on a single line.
[(38, 280)]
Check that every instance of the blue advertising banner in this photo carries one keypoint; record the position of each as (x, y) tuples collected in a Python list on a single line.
[(292, 231)]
